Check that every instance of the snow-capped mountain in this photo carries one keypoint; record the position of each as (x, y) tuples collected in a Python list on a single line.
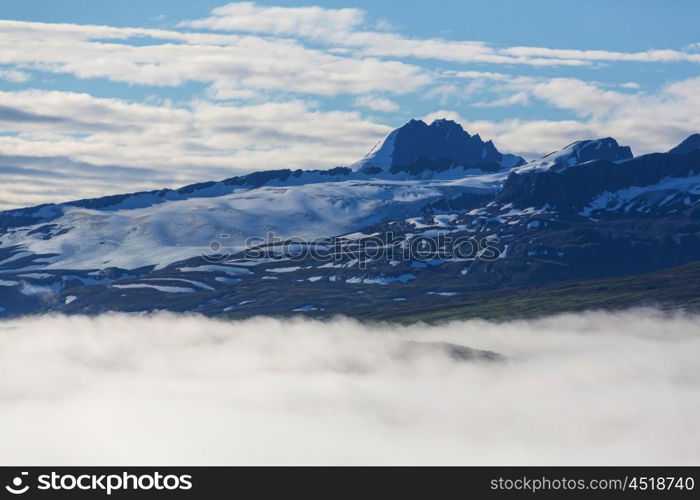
[(590, 210), (443, 144), (606, 178), (580, 152)]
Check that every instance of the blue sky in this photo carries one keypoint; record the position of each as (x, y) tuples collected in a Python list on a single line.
[(162, 93)]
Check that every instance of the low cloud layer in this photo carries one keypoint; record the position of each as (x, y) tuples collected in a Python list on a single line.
[(594, 388)]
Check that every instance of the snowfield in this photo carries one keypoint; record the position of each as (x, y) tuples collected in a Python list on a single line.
[(170, 231)]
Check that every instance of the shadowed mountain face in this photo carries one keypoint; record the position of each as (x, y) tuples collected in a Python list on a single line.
[(577, 185), (589, 211), (690, 144), (580, 152), (443, 140)]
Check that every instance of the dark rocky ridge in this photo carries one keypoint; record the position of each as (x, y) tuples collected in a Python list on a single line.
[(572, 188), (416, 146), (691, 143), (442, 139)]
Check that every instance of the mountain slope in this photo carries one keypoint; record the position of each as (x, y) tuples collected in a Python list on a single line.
[(579, 152), (156, 235), (429, 230), (691, 143)]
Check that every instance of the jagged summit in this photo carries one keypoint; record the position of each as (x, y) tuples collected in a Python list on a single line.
[(577, 152), (691, 143), (443, 142)]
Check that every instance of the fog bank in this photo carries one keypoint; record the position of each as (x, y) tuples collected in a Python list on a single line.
[(592, 388)]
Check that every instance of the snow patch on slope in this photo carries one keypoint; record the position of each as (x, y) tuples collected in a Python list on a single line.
[(380, 155), (579, 152)]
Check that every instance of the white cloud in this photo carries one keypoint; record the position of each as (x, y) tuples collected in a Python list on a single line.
[(647, 122), (270, 52), (73, 142), (646, 56), (447, 93), (575, 389), (342, 27), (376, 103), (303, 21), (529, 138), (480, 75), (584, 98), (518, 98), (230, 62), (14, 76)]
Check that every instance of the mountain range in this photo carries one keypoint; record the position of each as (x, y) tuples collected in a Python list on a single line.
[(431, 220)]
